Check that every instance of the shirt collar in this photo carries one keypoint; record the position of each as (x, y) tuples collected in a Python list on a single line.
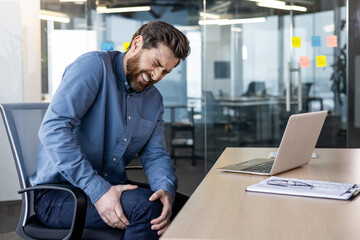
[(120, 72)]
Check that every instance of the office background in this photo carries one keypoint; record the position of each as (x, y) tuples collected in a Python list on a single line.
[(245, 76)]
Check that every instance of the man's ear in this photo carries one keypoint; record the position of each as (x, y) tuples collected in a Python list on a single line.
[(136, 44)]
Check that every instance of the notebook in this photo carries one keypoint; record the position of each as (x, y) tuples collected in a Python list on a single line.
[(296, 147), (306, 188)]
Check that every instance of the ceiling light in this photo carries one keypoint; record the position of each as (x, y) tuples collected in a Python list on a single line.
[(232, 21), (247, 20), (104, 9), (269, 2), (236, 29), (329, 28), (282, 7), (209, 15), (188, 28), (54, 16), (244, 52)]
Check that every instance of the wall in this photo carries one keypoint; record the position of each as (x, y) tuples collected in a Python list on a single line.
[(218, 49), (20, 74)]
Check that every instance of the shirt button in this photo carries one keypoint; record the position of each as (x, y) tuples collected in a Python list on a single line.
[(114, 159), (129, 117), (128, 96), (105, 174), (126, 83), (125, 139)]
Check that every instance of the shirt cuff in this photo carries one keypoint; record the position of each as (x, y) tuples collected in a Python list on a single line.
[(96, 188), (170, 189)]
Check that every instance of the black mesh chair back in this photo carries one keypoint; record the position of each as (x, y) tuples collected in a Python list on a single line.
[(22, 122)]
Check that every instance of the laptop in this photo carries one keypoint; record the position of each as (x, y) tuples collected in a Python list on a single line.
[(296, 147)]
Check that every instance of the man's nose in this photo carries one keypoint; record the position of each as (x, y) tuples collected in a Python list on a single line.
[(156, 74)]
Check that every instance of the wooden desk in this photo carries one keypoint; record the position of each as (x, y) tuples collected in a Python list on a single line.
[(221, 209)]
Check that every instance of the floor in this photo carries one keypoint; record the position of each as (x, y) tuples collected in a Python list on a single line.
[(189, 178)]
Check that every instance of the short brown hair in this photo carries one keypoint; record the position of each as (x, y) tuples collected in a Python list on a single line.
[(157, 32)]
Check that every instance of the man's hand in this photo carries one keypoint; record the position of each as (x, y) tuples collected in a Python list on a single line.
[(109, 206), (161, 223)]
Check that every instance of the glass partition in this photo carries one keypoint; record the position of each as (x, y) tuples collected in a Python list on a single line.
[(266, 60), (253, 63)]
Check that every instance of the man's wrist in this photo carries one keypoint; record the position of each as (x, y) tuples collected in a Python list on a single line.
[(96, 188)]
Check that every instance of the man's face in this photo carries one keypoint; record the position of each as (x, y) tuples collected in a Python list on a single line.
[(149, 66)]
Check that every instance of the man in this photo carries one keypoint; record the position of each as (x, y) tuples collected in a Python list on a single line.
[(104, 113)]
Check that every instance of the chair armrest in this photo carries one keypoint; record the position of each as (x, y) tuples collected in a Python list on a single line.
[(80, 198), (133, 167)]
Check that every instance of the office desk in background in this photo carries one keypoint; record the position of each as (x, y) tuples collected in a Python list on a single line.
[(221, 209)]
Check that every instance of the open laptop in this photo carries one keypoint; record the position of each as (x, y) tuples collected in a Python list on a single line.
[(296, 147)]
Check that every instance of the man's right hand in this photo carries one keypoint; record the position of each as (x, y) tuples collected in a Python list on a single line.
[(110, 209)]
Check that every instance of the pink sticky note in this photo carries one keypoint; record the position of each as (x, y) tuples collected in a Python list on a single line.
[(304, 62), (332, 41)]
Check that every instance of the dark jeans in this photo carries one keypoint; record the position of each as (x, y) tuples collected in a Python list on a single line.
[(55, 208)]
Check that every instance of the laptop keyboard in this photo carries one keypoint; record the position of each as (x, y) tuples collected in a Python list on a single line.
[(261, 167)]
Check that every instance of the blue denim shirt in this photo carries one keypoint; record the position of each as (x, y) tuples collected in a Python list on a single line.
[(94, 127)]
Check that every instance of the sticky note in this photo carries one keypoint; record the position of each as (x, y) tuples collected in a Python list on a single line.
[(315, 41), (321, 61), (125, 46), (304, 62), (296, 42), (107, 46), (332, 41)]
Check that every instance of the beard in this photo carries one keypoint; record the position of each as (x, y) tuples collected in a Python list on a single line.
[(133, 73)]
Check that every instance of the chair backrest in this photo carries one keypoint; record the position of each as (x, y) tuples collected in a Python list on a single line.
[(22, 122), (210, 98), (256, 89)]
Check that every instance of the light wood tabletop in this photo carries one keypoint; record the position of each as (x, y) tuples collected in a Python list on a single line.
[(220, 208)]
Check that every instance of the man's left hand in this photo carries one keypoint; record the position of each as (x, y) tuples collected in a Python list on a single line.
[(161, 223)]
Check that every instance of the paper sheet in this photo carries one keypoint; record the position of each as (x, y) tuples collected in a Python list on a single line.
[(306, 188)]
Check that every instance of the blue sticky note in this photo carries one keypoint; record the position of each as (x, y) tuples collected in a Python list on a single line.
[(107, 46), (315, 41)]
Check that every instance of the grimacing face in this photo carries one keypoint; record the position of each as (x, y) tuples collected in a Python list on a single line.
[(148, 66)]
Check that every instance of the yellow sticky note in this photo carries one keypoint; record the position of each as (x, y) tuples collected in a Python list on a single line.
[(321, 61), (296, 42), (304, 62), (125, 46)]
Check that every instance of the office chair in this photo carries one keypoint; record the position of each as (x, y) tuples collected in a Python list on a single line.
[(214, 110), (22, 122), (256, 89)]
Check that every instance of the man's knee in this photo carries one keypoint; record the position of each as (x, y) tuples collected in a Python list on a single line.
[(137, 206)]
